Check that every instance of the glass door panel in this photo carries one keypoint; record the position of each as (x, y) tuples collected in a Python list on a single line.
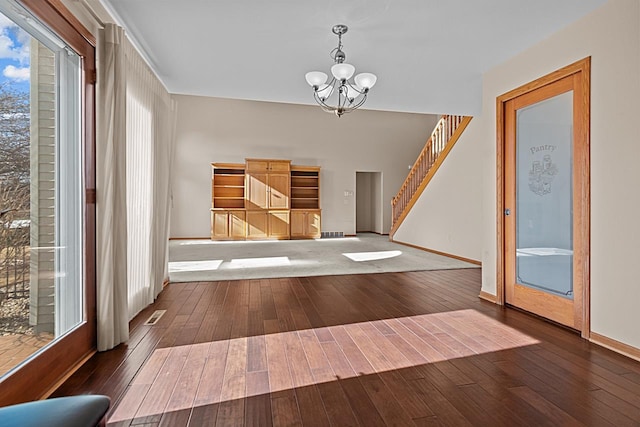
[(544, 195), (41, 189)]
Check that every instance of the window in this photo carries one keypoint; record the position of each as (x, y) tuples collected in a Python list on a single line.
[(44, 285)]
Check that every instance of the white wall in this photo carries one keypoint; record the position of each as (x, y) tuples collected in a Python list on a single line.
[(223, 130), (611, 36), (447, 217)]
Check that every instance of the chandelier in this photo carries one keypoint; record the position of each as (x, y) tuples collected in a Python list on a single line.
[(340, 95)]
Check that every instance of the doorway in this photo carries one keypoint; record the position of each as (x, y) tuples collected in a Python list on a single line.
[(543, 154), (369, 202)]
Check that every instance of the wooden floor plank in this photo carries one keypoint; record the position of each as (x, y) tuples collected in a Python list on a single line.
[(258, 403), (355, 350), (336, 404), (389, 408), (161, 390), (184, 393), (555, 415), (309, 399), (364, 409), (210, 385), (284, 407)]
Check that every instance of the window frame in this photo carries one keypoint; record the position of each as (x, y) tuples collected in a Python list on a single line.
[(39, 376)]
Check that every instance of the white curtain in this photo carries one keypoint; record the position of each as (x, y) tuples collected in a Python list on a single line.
[(150, 128), (111, 224), (134, 150)]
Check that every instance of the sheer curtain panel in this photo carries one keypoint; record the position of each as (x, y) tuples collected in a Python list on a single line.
[(150, 127), (111, 229)]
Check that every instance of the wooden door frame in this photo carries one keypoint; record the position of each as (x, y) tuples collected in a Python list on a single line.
[(581, 166)]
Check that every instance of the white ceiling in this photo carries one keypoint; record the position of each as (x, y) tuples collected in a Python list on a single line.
[(429, 55)]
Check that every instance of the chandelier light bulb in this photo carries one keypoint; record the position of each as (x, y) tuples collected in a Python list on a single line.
[(366, 80), (315, 78), (343, 71)]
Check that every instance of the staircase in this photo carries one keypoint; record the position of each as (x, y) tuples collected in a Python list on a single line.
[(440, 143)]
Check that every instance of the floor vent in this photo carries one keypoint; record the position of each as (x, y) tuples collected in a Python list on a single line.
[(331, 234), (155, 317)]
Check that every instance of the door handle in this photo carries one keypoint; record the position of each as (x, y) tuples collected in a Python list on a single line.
[(507, 212)]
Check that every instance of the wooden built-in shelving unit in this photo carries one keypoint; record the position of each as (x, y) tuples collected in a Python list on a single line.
[(264, 199)]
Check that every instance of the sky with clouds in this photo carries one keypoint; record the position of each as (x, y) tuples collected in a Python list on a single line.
[(14, 55)]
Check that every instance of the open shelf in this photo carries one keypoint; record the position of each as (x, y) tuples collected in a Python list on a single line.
[(227, 187), (305, 188)]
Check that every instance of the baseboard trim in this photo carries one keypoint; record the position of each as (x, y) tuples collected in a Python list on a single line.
[(488, 297), (372, 232), (617, 346), (165, 282), (433, 251), (66, 376), (189, 238)]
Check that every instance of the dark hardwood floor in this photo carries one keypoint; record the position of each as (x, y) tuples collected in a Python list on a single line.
[(387, 349)]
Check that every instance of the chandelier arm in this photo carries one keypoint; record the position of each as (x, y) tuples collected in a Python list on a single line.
[(319, 100), (325, 107), (317, 97), (354, 106), (355, 87), (361, 101)]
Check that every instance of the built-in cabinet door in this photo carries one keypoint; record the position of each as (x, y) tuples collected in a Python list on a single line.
[(257, 191), (279, 184), (261, 165), (298, 219), (279, 224), (219, 224), (305, 224), (279, 166), (257, 224), (237, 225), (312, 224), (227, 225), (257, 165)]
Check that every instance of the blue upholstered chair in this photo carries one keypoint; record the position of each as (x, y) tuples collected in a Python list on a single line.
[(73, 411)]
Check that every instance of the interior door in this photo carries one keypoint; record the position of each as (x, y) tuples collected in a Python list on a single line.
[(546, 200)]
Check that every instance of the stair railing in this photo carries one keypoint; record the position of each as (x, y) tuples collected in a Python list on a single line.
[(444, 135)]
